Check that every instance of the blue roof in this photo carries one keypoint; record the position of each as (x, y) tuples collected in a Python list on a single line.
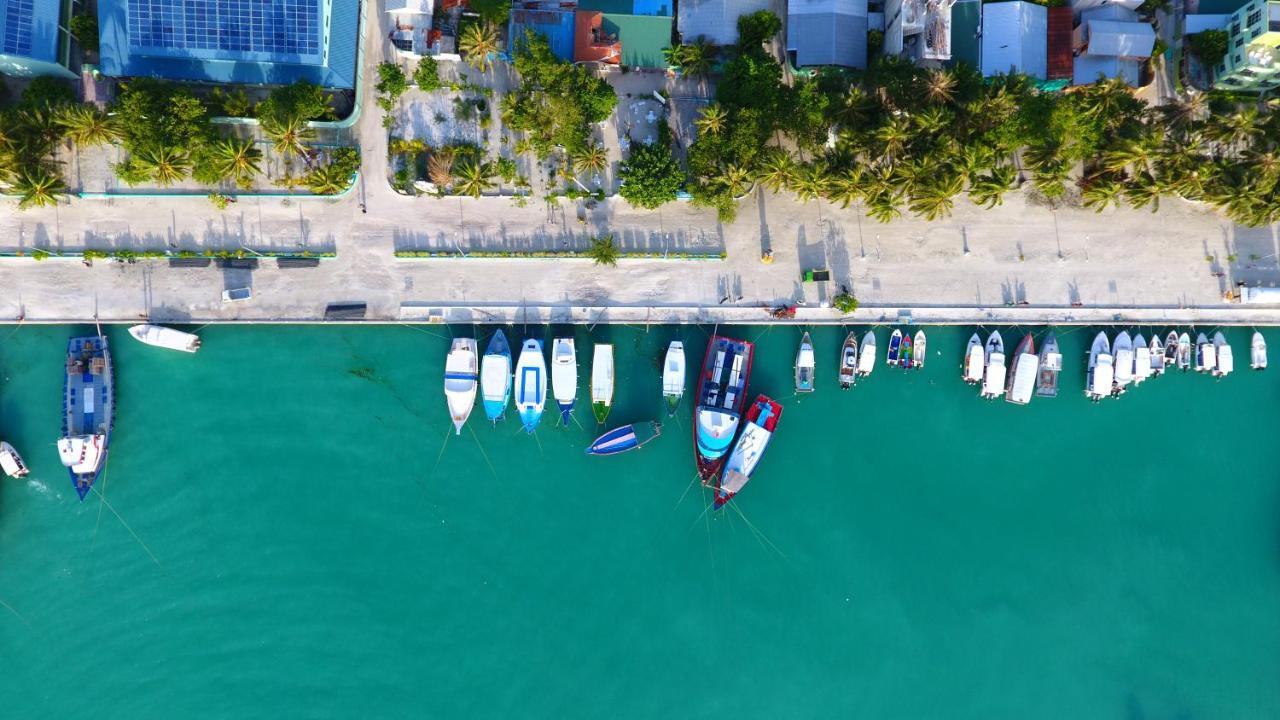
[(273, 42), (30, 28), (555, 25)]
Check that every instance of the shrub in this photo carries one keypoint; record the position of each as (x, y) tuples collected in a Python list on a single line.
[(427, 75), (845, 303), (1210, 46), (85, 29), (391, 82)]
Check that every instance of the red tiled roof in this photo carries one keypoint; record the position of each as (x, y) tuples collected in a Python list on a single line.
[(588, 43), (1060, 41)]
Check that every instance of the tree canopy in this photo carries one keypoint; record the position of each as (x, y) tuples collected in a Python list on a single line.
[(556, 102)]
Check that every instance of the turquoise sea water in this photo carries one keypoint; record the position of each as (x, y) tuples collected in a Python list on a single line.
[(293, 532)]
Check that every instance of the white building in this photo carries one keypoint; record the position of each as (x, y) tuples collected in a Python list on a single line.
[(716, 20)]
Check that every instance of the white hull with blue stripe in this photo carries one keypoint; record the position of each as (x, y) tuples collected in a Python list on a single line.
[(531, 384)]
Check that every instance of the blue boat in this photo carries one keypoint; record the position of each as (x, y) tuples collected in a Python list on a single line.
[(495, 377), (722, 390), (88, 401), (531, 384), (627, 437)]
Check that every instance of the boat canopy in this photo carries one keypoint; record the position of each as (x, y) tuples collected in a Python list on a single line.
[(1024, 378), (82, 453), (716, 428), (1103, 375), (495, 376), (973, 366), (994, 385)]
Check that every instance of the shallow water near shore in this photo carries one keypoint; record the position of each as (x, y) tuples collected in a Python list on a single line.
[(292, 530)]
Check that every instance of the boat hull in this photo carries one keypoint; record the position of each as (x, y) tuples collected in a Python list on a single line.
[(721, 393), (88, 411), (761, 422), (625, 438), (495, 377)]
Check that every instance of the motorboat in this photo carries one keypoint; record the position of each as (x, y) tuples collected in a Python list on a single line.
[(975, 360), (1141, 359), (1171, 344), (627, 437), (166, 337), (495, 377), (1226, 363), (11, 462), (1185, 351), (1122, 348), (601, 381), (722, 392), (461, 380), (867, 354), (1206, 354), (1022, 376), (895, 348), (1258, 352), (849, 361), (1101, 373), (673, 377), (1050, 367), (804, 365), (994, 372), (1157, 355), (919, 349), (88, 403), (762, 420), (564, 377), (906, 357), (531, 384)]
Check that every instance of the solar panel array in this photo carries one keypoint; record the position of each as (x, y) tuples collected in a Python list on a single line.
[(281, 27), (17, 26)]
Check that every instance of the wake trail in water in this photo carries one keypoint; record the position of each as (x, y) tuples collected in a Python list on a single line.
[(16, 614)]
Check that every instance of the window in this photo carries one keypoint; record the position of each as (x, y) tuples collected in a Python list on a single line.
[(1235, 28), (1236, 58), (1254, 18), (1239, 41)]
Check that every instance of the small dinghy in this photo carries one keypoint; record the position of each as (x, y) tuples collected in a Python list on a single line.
[(602, 381), (920, 350), (1171, 349), (1258, 352), (805, 365), (11, 461), (906, 357), (627, 437), (1157, 355), (849, 361), (460, 380), (495, 377), (1185, 352), (531, 384), (165, 337), (1206, 355), (1226, 363), (1101, 369), (564, 376), (673, 376), (974, 361), (867, 354), (1141, 359), (895, 348), (1050, 367), (1122, 348), (994, 376)]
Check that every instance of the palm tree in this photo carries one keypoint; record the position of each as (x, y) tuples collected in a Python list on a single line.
[(857, 108), (440, 167), (88, 126), (1144, 190), (811, 181), (778, 170), (940, 86), (38, 187), (848, 187), (932, 121), (166, 165), (989, 190), (1181, 116), (937, 198), (603, 251), (1102, 191), (712, 120), (327, 179), (289, 136), (1237, 129), (1127, 154), (883, 206), (237, 159), (479, 41), (695, 58), (473, 178), (894, 135), (735, 179), (592, 158)]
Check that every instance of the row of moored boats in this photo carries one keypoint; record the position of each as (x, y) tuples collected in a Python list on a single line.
[(1115, 366)]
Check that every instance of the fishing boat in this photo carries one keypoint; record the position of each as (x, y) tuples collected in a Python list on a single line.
[(994, 375), (1206, 356), (919, 344), (601, 381), (673, 376), (895, 347), (1171, 344), (495, 377), (1258, 352), (804, 365), (906, 358), (1141, 359), (11, 462), (1226, 363), (1157, 355), (88, 403), (1050, 367), (722, 391), (165, 337), (1101, 372), (627, 437), (460, 380), (1022, 376), (974, 360), (1122, 348), (762, 420), (867, 354), (564, 376), (849, 362), (1184, 352), (531, 384)]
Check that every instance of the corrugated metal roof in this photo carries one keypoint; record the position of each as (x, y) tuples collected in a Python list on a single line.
[(828, 32), (1121, 39), (1015, 39), (555, 25), (1089, 68), (643, 38), (716, 20)]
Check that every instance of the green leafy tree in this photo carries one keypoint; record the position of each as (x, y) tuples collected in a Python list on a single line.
[(1210, 46), (603, 251), (711, 121), (85, 29), (651, 176), (757, 28), (427, 74), (556, 103), (48, 92), (302, 100), (493, 11)]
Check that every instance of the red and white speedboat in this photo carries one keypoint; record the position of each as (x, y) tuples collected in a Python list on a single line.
[(762, 419)]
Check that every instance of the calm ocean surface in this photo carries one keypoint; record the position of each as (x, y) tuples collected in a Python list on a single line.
[(293, 531)]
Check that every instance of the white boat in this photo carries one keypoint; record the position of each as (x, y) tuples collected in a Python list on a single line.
[(1123, 350), (673, 376), (974, 361), (564, 376), (1141, 359), (849, 361), (1101, 369), (1157, 355), (1171, 349), (495, 377), (601, 381), (461, 380), (1258, 352), (531, 384), (1185, 351), (1226, 363), (11, 461), (1206, 356), (1050, 361), (165, 337), (1026, 367), (804, 365), (867, 354), (918, 359), (993, 379)]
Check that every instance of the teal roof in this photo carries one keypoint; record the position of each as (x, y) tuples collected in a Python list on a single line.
[(643, 38), (661, 8), (966, 18), (1220, 7)]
